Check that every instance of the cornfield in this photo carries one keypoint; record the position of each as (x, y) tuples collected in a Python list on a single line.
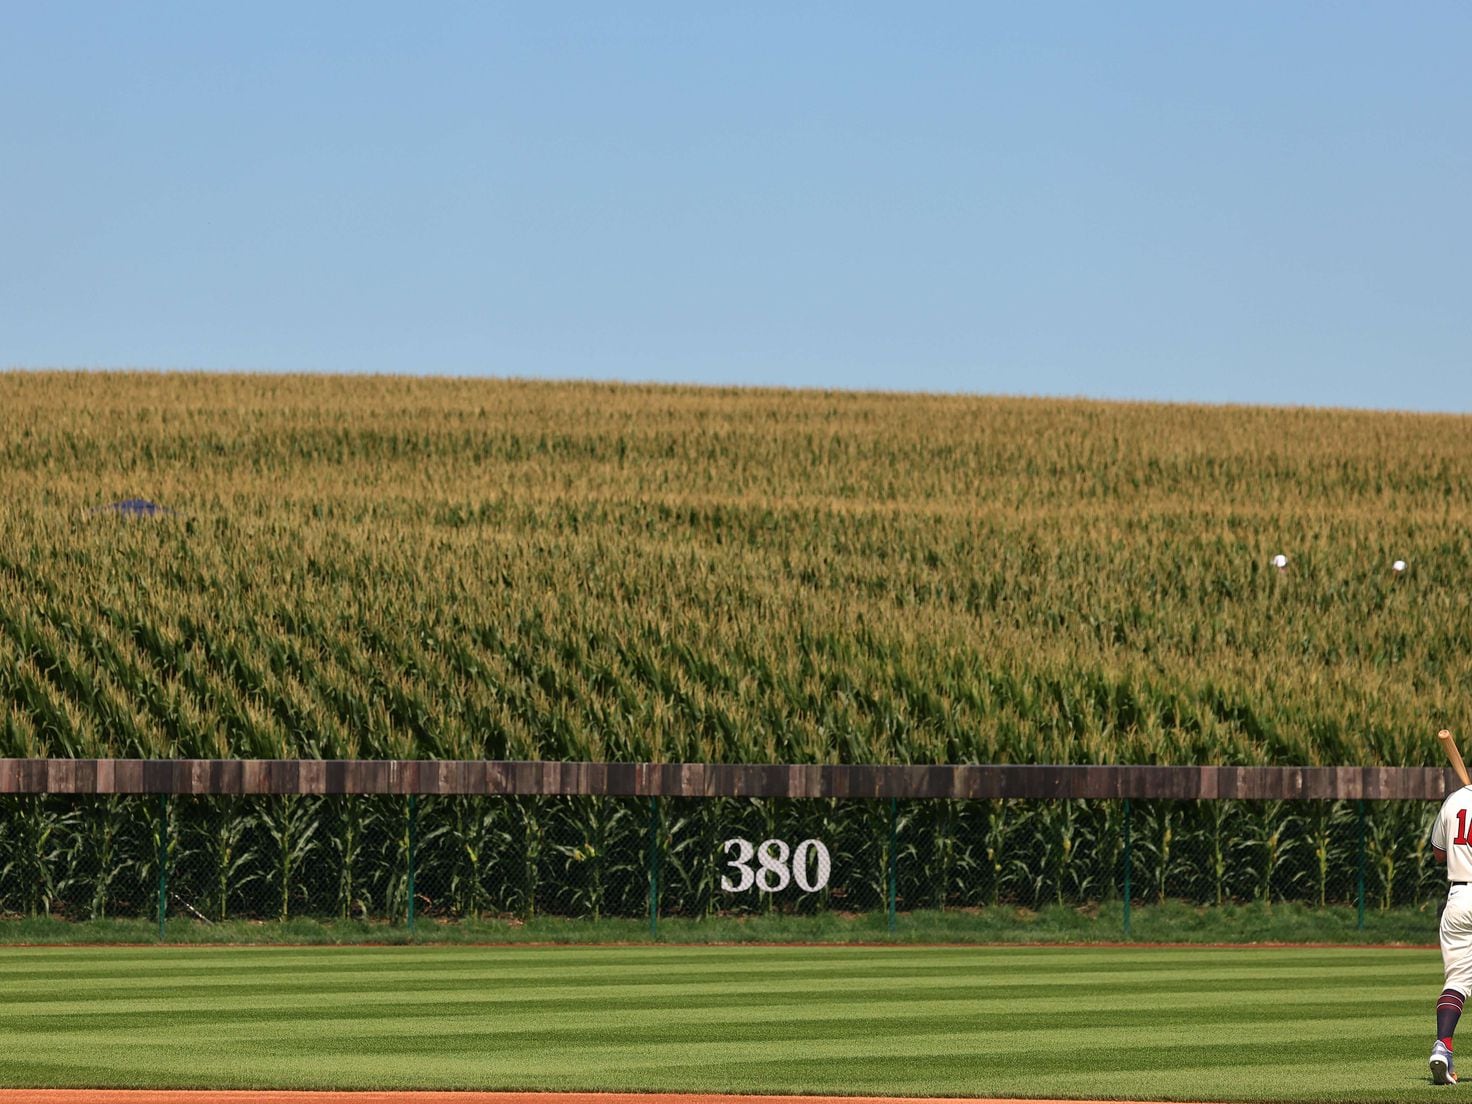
[(392, 567), (372, 567)]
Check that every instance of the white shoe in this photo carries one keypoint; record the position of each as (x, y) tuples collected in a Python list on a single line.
[(1441, 1065)]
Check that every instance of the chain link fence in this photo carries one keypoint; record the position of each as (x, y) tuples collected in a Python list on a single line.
[(397, 859)]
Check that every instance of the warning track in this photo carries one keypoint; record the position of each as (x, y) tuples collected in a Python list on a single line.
[(252, 1096)]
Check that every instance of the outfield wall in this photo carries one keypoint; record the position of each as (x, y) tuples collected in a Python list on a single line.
[(398, 841)]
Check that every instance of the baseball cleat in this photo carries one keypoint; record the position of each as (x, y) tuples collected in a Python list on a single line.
[(1441, 1065)]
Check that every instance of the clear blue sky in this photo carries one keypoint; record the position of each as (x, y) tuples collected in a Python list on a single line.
[(1231, 202)]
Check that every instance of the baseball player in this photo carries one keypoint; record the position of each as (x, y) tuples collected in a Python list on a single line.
[(1451, 843)]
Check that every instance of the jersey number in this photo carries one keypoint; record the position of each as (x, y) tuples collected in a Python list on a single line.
[(1461, 827)]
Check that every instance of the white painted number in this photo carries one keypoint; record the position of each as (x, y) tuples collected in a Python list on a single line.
[(806, 852), (809, 867), (744, 852), (774, 876)]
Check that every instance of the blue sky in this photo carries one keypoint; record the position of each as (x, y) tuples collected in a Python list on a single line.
[(1261, 203)]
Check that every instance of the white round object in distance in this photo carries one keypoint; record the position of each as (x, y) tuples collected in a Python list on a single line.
[(1280, 561), (1398, 566)]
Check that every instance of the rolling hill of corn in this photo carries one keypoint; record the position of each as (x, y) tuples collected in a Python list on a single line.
[(420, 567)]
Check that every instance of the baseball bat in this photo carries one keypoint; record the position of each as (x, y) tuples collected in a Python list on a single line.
[(1449, 745)]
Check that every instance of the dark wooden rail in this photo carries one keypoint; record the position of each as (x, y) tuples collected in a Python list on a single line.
[(363, 776)]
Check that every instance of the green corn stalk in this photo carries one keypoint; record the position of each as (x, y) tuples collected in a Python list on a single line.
[(104, 823), (686, 873), (1216, 841), (1159, 834), (231, 853), (995, 843), (33, 851), (943, 853), (1384, 844), (1323, 844), (532, 844), (1275, 835), (290, 825), (347, 843)]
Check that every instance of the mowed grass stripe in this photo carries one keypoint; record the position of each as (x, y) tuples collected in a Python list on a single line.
[(1176, 1023), (1124, 1048), (1001, 1006), (690, 1006), (902, 1040), (691, 996), (668, 1000), (132, 967), (500, 988)]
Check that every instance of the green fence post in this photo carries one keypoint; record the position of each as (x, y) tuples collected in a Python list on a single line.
[(1360, 889), (413, 833), (163, 863), (1128, 864), (654, 868), (894, 816)]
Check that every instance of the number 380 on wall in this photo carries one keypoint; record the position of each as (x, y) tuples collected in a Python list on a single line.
[(809, 866)]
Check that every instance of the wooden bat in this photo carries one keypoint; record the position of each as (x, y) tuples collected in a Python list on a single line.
[(1449, 745)]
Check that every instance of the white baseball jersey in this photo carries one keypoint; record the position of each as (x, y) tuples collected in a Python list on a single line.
[(1452, 833)]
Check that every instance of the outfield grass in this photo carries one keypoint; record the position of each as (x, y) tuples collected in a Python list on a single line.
[(1197, 1024)]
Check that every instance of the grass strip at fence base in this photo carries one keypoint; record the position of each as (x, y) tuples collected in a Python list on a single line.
[(1171, 922)]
